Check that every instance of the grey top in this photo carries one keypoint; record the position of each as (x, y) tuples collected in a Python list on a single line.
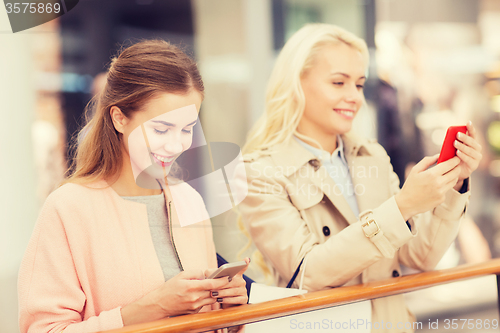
[(160, 232)]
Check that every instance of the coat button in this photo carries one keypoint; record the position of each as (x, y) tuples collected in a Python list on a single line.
[(326, 231), (315, 164), (395, 273)]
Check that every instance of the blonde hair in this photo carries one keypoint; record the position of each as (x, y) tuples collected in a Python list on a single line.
[(285, 99)]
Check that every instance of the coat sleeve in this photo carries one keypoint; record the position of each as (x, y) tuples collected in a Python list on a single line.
[(434, 230), (49, 292), (282, 234)]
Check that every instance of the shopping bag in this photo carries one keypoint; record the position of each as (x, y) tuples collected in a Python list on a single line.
[(352, 317)]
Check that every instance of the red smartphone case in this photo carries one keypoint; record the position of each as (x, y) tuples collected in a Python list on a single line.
[(448, 150)]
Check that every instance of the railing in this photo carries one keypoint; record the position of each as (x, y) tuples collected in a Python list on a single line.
[(249, 313)]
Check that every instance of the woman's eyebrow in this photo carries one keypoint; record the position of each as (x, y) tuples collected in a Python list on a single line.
[(343, 74), (170, 124), (347, 75)]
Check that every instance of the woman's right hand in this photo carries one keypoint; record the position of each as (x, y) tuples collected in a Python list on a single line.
[(425, 187), (187, 292)]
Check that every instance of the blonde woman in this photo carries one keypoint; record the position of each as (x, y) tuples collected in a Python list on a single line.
[(326, 201), (108, 251)]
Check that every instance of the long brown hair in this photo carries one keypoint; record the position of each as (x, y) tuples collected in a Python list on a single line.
[(136, 75)]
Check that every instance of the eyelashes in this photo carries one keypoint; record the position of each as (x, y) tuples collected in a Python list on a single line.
[(165, 131), (359, 86), (160, 132)]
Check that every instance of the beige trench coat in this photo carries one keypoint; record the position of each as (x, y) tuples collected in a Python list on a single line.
[(294, 209)]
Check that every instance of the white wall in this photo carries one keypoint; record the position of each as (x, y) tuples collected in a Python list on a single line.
[(18, 208), (234, 50)]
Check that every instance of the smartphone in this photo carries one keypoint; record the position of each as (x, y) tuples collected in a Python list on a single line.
[(229, 269), (448, 150)]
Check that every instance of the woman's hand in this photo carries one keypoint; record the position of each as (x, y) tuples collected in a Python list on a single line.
[(187, 292), (425, 187), (235, 292), (469, 152)]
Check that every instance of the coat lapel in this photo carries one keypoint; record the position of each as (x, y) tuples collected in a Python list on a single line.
[(291, 157), (369, 173), (326, 184), (369, 177)]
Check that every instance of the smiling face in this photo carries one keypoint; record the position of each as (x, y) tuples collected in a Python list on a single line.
[(166, 125), (333, 89)]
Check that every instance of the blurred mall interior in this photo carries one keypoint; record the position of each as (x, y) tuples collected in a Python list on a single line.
[(434, 63)]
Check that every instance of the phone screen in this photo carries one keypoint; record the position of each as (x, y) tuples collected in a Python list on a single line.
[(229, 269)]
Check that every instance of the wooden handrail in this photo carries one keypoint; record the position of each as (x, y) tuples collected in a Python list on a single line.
[(249, 313)]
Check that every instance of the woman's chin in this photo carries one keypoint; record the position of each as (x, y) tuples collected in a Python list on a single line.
[(339, 124), (151, 176), (340, 130)]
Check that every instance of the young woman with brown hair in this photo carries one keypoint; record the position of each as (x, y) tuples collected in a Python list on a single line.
[(107, 252)]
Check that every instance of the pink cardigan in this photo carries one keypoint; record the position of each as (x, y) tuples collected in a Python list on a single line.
[(91, 253)]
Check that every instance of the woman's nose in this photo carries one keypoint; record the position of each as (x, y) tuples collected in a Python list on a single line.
[(173, 146), (354, 95)]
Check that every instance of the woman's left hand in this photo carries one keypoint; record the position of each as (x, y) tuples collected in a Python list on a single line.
[(469, 152), (233, 293)]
